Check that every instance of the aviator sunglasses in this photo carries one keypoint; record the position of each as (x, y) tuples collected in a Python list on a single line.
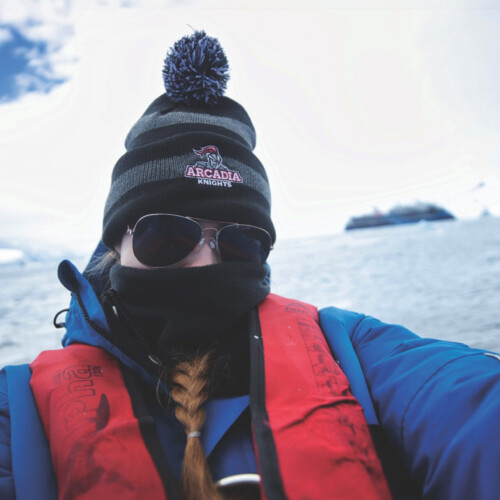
[(162, 240)]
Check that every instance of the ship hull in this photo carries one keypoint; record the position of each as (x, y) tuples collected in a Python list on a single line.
[(368, 221)]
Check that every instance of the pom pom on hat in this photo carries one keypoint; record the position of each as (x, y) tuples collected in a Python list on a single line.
[(196, 70)]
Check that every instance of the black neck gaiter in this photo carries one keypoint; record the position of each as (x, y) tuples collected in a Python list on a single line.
[(185, 311)]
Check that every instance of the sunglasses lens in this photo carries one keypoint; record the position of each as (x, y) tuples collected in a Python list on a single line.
[(162, 240), (240, 243)]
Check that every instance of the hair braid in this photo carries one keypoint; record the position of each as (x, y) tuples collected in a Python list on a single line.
[(190, 391)]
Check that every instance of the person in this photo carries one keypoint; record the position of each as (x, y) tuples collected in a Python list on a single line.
[(182, 376)]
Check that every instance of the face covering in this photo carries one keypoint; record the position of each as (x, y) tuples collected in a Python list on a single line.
[(190, 309)]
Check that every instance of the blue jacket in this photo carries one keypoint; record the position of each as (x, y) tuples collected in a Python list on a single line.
[(438, 404)]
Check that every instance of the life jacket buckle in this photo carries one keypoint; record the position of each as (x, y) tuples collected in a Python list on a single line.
[(240, 487)]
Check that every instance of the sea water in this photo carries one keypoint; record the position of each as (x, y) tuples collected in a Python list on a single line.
[(439, 279)]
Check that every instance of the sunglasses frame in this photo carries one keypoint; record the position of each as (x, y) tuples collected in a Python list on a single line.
[(225, 224)]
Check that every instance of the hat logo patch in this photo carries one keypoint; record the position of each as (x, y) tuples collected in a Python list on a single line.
[(210, 170)]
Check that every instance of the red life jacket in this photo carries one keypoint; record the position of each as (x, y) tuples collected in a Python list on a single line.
[(312, 440)]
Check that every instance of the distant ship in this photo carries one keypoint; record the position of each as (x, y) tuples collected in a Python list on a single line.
[(404, 214)]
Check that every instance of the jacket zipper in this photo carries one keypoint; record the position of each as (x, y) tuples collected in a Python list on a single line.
[(93, 325)]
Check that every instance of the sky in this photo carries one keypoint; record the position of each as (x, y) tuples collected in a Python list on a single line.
[(359, 105)]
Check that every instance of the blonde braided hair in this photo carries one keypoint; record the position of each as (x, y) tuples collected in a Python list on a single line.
[(190, 380)]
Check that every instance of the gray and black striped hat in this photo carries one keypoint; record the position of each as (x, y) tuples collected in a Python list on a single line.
[(190, 153)]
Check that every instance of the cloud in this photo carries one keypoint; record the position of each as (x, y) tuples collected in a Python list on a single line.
[(5, 35), (31, 61), (36, 49)]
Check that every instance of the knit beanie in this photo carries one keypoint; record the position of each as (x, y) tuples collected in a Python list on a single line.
[(190, 153)]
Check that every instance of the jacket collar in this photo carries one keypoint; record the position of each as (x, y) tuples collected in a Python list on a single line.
[(85, 315), (86, 322)]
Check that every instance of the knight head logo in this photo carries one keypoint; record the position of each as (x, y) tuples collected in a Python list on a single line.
[(210, 170), (210, 158)]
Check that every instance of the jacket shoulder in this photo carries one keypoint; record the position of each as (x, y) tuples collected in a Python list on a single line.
[(28, 466), (438, 402), (6, 477)]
